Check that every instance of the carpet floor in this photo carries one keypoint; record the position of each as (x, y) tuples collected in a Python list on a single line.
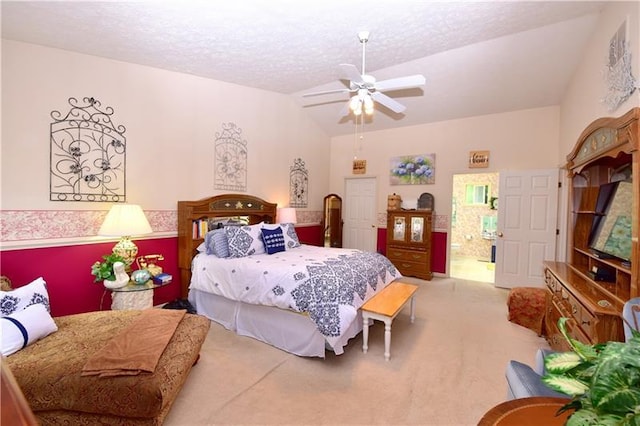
[(447, 368)]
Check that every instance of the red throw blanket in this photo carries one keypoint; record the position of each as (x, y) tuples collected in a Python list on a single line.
[(137, 348)]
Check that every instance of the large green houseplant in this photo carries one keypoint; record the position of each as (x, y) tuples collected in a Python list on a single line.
[(603, 380)]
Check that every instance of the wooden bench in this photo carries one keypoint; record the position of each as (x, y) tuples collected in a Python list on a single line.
[(385, 306)]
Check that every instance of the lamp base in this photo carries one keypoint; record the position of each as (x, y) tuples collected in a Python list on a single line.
[(127, 250)]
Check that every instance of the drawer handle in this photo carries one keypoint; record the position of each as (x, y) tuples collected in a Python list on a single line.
[(416, 256), (586, 322), (574, 309), (406, 265)]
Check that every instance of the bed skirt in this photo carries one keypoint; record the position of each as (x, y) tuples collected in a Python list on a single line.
[(287, 330)]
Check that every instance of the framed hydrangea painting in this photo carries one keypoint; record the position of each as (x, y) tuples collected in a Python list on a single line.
[(413, 170)]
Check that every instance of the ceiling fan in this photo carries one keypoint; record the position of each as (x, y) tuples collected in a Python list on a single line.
[(367, 89)]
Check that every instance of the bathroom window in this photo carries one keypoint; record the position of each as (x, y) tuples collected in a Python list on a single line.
[(477, 194)]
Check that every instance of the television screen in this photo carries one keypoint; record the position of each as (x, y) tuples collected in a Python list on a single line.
[(611, 233)]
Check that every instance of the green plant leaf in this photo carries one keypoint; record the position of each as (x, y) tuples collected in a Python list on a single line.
[(583, 417), (568, 385), (560, 362)]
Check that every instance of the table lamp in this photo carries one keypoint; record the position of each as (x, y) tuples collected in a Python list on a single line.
[(287, 215), (125, 220)]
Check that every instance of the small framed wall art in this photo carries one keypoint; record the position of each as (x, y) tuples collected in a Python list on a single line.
[(359, 167), (478, 159)]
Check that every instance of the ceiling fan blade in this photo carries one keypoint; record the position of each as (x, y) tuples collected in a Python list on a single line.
[(351, 73), (326, 92), (388, 102), (400, 83), (344, 111)]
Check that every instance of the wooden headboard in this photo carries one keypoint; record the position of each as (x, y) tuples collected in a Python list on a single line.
[(227, 205)]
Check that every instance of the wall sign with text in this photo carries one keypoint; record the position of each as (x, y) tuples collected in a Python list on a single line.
[(478, 159), (359, 167)]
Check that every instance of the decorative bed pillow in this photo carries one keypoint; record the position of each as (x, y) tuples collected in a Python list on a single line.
[(216, 243), (273, 240), (245, 240), (288, 231), (25, 327), (290, 236), (27, 295)]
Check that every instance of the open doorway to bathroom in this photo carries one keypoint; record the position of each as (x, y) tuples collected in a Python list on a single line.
[(474, 220)]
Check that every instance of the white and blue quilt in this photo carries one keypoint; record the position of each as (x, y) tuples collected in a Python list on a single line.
[(328, 284)]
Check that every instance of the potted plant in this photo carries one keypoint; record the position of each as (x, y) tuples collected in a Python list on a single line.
[(104, 271), (603, 380)]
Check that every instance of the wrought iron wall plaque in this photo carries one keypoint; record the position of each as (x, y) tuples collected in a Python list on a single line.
[(298, 184), (88, 154), (230, 159)]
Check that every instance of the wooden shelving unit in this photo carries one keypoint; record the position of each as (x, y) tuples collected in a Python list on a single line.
[(594, 306)]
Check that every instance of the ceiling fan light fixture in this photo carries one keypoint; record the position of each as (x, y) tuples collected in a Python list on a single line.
[(355, 103), (368, 105)]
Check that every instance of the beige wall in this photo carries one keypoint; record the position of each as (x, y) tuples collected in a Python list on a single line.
[(171, 120), (581, 103), (516, 140)]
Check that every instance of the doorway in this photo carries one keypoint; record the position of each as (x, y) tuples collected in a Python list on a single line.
[(332, 220), (360, 230), (474, 224)]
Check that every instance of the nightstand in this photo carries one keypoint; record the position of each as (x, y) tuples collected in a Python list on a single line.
[(134, 296)]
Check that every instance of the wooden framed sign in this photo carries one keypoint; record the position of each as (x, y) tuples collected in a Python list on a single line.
[(359, 167), (478, 159)]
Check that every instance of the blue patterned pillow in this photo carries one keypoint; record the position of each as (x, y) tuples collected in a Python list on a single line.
[(273, 240), (216, 243), (244, 240), (27, 295)]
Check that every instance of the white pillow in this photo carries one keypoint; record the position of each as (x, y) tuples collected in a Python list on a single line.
[(25, 327), (245, 240), (27, 295)]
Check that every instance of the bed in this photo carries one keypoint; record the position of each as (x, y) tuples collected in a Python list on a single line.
[(304, 299)]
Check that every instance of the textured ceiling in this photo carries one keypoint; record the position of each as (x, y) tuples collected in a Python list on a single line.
[(478, 57)]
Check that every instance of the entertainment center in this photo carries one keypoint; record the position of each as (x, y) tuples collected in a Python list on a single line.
[(602, 271)]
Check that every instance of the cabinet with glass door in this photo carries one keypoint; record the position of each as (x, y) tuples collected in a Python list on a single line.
[(409, 242)]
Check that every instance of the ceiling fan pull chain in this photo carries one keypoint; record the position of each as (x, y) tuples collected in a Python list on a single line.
[(364, 44)]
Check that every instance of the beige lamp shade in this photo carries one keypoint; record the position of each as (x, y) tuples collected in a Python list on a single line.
[(287, 215), (125, 220)]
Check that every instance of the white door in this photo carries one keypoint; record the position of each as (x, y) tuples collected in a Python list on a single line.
[(359, 230), (527, 209)]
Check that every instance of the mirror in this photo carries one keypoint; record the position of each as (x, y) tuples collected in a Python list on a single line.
[(332, 221)]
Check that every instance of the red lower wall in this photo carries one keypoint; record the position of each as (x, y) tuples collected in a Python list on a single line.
[(67, 269)]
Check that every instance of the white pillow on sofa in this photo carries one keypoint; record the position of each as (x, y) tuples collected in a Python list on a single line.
[(30, 294), (25, 327)]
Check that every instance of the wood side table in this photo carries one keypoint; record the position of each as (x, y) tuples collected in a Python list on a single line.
[(534, 411)]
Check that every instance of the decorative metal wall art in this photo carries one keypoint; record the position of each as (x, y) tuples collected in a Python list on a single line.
[(88, 154), (298, 184), (230, 159), (619, 80)]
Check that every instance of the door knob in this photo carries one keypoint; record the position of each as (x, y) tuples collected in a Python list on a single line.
[(500, 234)]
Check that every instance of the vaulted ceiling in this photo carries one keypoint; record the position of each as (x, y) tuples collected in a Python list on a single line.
[(478, 57)]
